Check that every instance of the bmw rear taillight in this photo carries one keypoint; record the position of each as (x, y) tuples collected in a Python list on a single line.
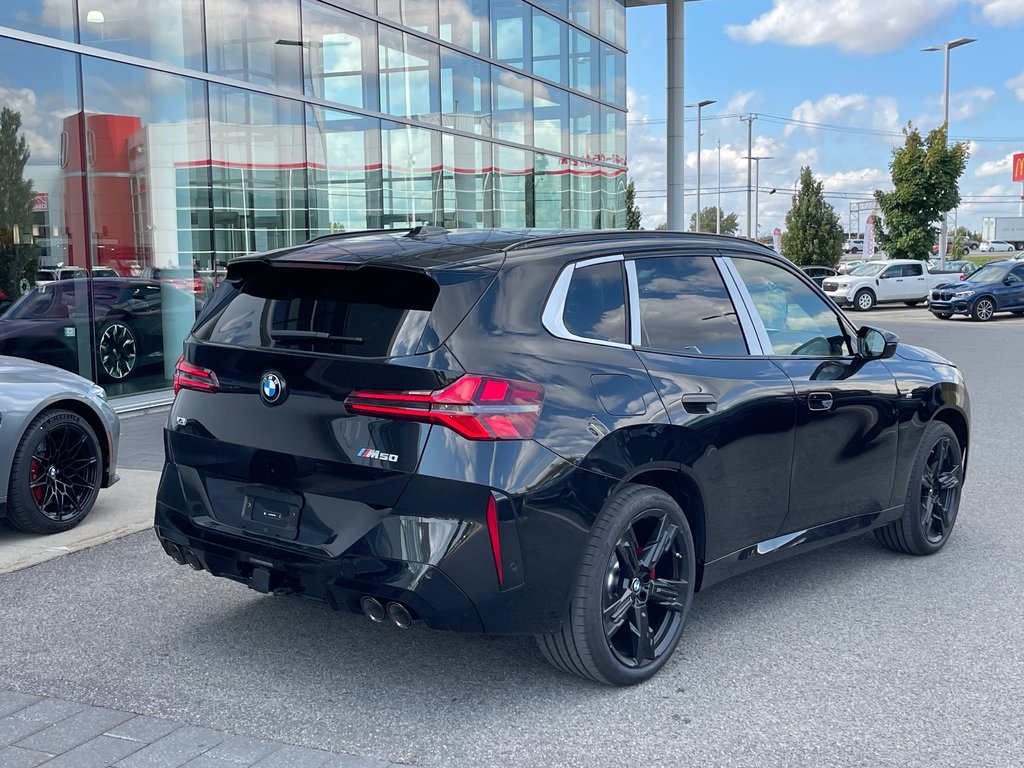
[(476, 407), (189, 376)]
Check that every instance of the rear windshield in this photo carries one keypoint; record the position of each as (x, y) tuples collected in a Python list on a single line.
[(368, 312)]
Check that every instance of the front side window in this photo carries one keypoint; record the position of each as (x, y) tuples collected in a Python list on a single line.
[(685, 307), (595, 304), (797, 320), (912, 270)]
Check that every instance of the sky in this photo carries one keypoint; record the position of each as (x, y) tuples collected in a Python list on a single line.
[(831, 83)]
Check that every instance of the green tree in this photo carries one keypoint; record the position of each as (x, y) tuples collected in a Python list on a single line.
[(709, 221), (925, 176), (633, 214), (813, 233), (15, 202)]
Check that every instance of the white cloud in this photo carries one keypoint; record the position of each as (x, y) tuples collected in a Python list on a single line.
[(967, 104), (1017, 86), (864, 26), (855, 109), (1000, 12), (646, 152), (999, 167), (740, 101)]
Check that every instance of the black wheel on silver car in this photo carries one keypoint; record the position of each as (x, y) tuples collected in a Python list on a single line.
[(118, 350), (633, 593), (56, 474), (864, 300), (933, 495), (983, 309)]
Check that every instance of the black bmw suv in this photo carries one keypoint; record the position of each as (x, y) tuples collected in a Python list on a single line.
[(562, 434)]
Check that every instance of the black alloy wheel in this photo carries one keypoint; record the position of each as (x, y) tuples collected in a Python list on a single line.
[(933, 496), (633, 594), (56, 474), (118, 350)]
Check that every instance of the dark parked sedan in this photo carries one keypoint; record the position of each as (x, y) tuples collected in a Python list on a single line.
[(996, 287), (819, 273), (130, 317), (557, 434)]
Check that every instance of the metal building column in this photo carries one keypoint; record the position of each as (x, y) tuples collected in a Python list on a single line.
[(675, 114)]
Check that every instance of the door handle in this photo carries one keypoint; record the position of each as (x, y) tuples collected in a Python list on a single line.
[(699, 402), (820, 401)]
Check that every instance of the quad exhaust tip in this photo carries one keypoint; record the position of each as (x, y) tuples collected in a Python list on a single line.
[(192, 559), (399, 615), (372, 608)]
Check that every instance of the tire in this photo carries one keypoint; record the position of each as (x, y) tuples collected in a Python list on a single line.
[(618, 599), (56, 474), (928, 517), (864, 300), (943, 315), (966, 251), (117, 350), (912, 303), (983, 309)]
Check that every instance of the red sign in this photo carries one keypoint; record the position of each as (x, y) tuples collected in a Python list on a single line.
[(1018, 167), (41, 201)]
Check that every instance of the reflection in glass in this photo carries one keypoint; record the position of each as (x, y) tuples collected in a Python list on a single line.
[(551, 192), (340, 56), (408, 76), (613, 75), (420, 15), (41, 17), (465, 23), (613, 129), (561, 7), (512, 97), (613, 21), (259, 172), (613, 212), (510, 32), (586, 129), (255, 40), (412, 186), (513, 183), (595, 303), (468, 196), (550, 43), (550, 118), (170, 31), (583, 13), (344, 171), (587, 190), (465, 93), (582, 62)]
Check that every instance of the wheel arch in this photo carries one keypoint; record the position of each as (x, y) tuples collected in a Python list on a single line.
[(91, 417), (685, 491), (956, 421), (990, 296)]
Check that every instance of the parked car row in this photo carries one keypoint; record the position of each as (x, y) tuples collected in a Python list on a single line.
[(996, 287)]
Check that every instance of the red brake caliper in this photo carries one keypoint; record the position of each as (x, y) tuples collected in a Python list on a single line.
[(33, 475), (638, 551)]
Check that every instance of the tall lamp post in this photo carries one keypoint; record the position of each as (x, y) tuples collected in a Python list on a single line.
[(945, 121), (699, 105), (718, 204), (757, 184)]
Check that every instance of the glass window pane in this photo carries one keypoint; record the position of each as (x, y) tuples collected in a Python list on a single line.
[(465, 23), (510, 32), (513, 187), (344, 171), (255, 40), (614, 214), (465, 93), (582, 62), (798, 321), (340, 56), (408, 76), (595, 304), (584, 13), (412, 186), (550, 43), (550, 118), (170, 31), (41, 17), (613, 21), (684, 307), (586, 127), (512, 99), (468, 192), (561, 7), (259, 155), (613, 75), (587, 190), (613, 135), (551, 192), (420, 15)]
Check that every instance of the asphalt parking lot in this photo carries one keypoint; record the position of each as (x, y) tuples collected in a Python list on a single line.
[(848, 656)]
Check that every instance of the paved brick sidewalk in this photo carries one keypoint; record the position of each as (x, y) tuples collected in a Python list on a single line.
[(65, 734)]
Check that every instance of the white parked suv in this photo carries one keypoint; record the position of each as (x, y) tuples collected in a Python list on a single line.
[(905, 280)]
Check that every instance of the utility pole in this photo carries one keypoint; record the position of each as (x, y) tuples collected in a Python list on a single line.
[(718, 206), (749, 120)]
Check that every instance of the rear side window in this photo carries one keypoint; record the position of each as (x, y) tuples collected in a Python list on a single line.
[(685, 307), (912, 270), (595, 304), (368, 312)]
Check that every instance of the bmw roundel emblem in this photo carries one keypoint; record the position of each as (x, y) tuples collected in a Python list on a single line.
[(272, 388)]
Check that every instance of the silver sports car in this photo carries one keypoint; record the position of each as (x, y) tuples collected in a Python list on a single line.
[(58, 446)]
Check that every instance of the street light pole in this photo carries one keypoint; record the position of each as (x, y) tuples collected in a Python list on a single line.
[(757, 184), (945, 121), (718, 205), (749, 120), (699, 105)]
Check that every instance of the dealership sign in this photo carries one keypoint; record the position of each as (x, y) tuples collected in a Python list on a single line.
[(41, 201), (1018, 167)]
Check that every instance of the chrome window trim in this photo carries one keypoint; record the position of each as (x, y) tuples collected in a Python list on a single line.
[(758, 333), (633, 289), (554, 308)]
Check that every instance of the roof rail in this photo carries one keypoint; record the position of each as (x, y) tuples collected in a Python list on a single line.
[(357, 233), (653, 234)]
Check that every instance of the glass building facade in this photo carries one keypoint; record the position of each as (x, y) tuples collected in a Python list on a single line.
[(146, 143)]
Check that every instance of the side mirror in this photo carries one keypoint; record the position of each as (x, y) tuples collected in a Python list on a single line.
[(874, 344), (1010, 280)]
